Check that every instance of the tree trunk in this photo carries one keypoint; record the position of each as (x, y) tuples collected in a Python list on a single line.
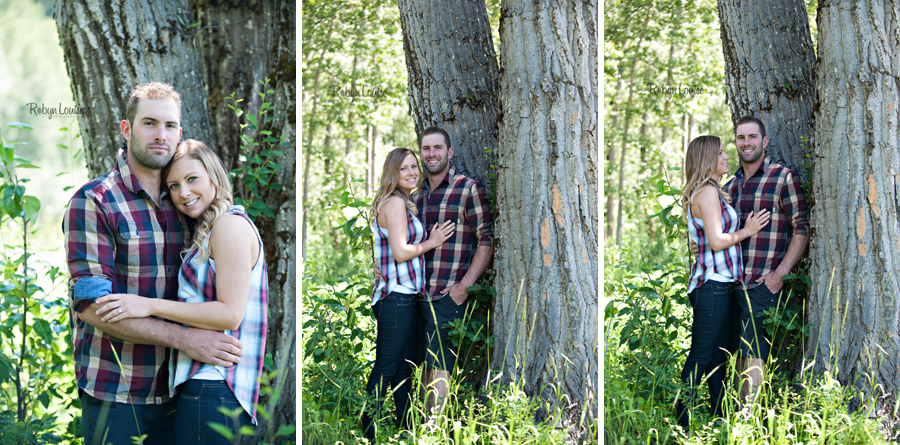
[(853, 305), (770, 72), (280, 233), (310, 119), (453, 86), (111, 47), (627, 110), (548, 222), (233, 39)]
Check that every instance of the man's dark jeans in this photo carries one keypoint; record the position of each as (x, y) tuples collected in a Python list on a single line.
[(395, 348), (115, 423), (710, 339)]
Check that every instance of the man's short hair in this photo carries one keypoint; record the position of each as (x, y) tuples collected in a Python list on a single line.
[(151, 90), (753, 119), (433, 130)]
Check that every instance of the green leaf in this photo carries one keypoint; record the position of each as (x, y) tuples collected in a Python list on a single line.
[(285, 430), (222, 429), (31, 205), (42, 329), (7, 154), (21, 125)]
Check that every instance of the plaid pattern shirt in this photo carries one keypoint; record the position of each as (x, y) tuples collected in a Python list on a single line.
[(119, 241), (777, 188), (727, 262), (408, 276), (461, 199), (197, 284)]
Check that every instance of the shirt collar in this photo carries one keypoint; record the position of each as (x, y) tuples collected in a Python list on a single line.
[(129, 179), (765, 166), (447, 179)]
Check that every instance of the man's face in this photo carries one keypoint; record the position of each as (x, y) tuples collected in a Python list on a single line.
[(435, 153), (155, 132), (750, 145)]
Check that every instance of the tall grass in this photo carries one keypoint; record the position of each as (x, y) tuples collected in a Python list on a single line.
[(490, 413), (645, 350)]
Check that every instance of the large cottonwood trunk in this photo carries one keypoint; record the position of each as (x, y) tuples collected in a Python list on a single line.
[(770, 72), (233, 39), (452, 76), (109, 48), (855, 300), (548, 225), (280, 234)]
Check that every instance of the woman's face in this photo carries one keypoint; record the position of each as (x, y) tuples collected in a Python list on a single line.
[(722, 162), (191, 187), (409, 174)]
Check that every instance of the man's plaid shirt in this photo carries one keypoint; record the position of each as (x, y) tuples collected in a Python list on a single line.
[(119, 241), (777, 188), (461, 199)]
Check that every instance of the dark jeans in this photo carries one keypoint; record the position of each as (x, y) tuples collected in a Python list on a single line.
[(198, 405), (749, 337), (435, 347), (710, 339), (395, 348), (113, 423)]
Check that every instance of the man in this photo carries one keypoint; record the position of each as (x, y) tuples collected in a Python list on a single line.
[(453, 266), (770, 254), (123, 235)]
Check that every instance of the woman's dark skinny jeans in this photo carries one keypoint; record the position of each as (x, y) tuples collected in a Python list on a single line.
[(710, 339), (395, 348)]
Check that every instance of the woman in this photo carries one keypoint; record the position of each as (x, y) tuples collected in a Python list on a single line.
[(399, 241), (222, 285), (713, 225)]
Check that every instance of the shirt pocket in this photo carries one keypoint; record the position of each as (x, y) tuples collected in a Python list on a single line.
[(134, 246), (767, 201), (457, 214)]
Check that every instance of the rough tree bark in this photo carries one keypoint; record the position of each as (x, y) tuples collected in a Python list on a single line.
[(854, 305), (233, 39), (109, 48), (548, 224), (453, 77), (769, 72), (280, 234)]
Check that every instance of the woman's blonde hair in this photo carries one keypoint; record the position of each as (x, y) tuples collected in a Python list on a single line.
[(389, 175), (700, 162), (195, 149)]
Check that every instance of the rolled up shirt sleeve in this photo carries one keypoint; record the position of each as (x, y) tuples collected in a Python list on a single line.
[(794, 203), (478, 212), (90, 251)]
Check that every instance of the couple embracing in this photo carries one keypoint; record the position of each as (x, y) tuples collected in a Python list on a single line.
[(168, 288), (738, 268), (421, 278)]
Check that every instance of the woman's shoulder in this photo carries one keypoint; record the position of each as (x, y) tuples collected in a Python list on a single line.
[(707, 193), (232, 223)]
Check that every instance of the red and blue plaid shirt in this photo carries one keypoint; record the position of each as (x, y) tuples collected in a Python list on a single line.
[(461, 199), (777, 188), (119, 241)]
